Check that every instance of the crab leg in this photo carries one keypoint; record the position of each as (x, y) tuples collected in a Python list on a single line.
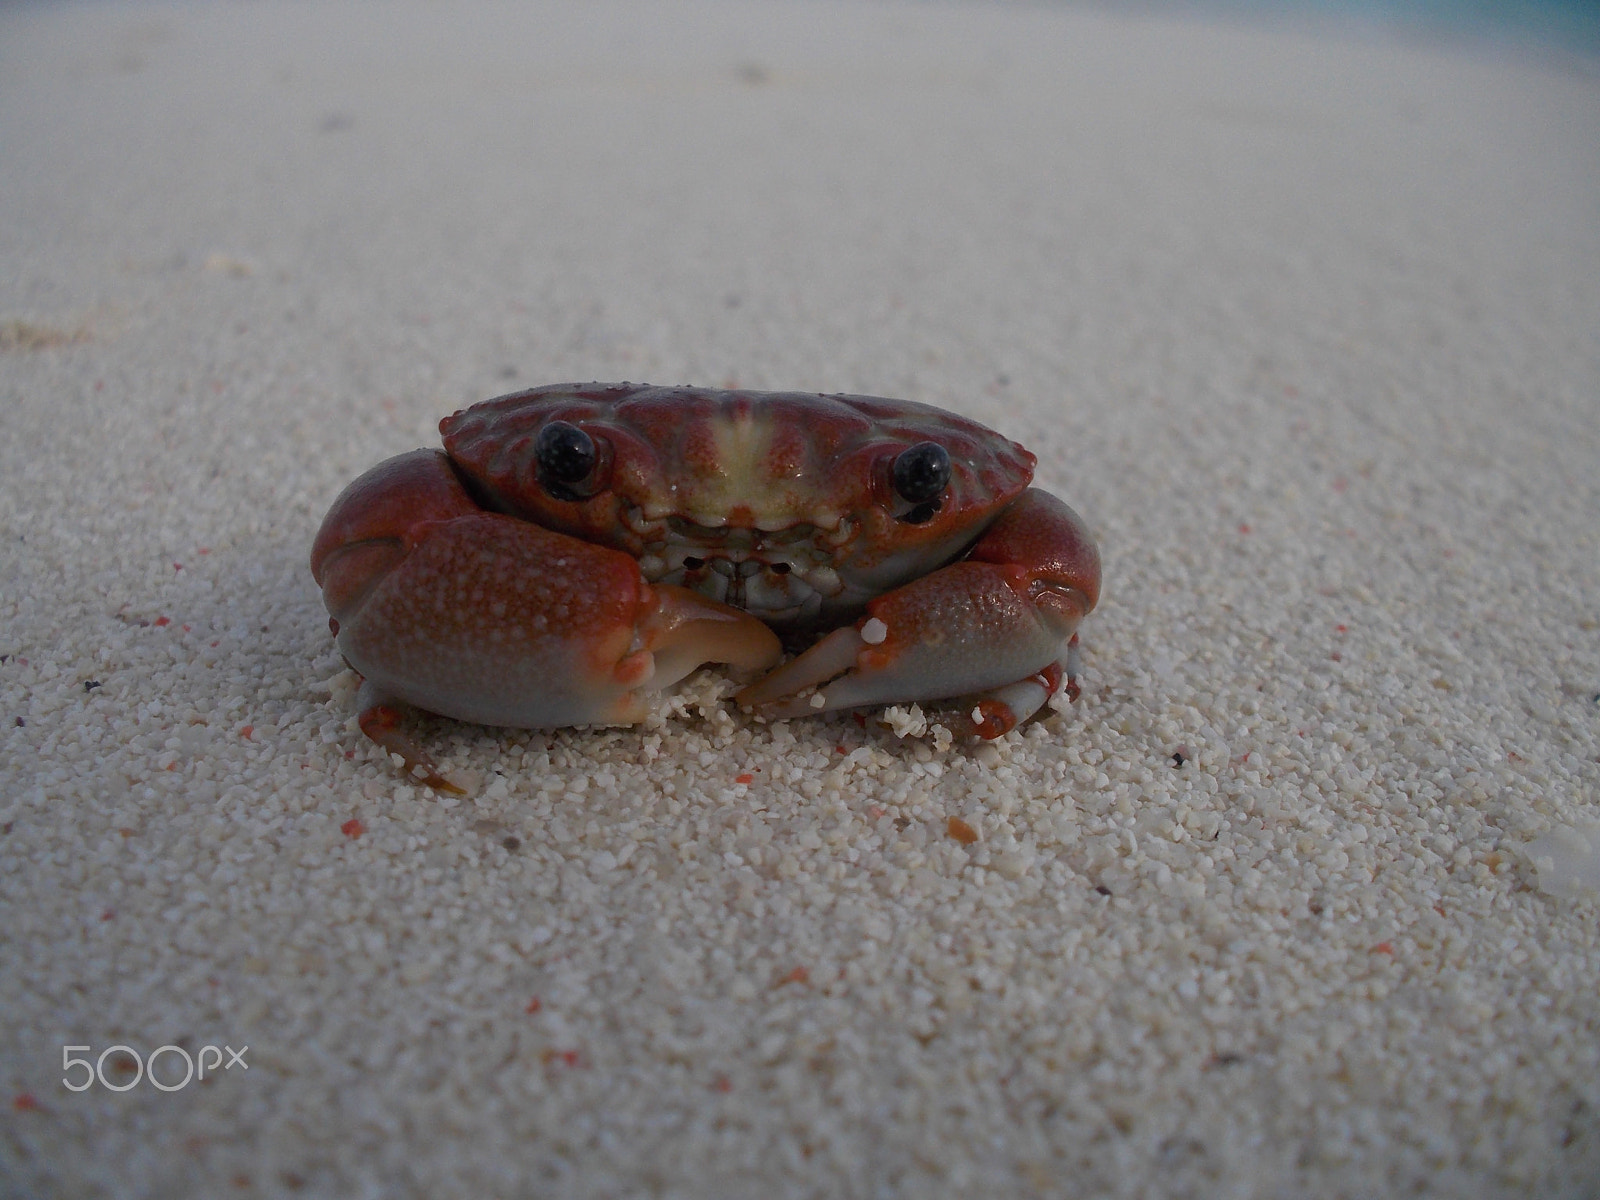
[(998, 625), (483, 617)]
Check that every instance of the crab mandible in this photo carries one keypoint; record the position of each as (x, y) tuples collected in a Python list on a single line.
[(576, 549)]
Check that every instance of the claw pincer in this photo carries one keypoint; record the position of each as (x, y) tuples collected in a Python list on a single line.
[(576, 549), (990, 622)]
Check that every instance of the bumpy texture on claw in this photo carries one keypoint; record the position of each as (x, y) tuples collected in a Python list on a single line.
[(482, 617)]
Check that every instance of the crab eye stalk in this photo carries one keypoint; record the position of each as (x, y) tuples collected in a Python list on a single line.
[(920, 475), (569, 462)]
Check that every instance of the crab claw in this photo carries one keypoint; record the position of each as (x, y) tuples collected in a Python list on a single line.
[(486, 618), (998, 625)]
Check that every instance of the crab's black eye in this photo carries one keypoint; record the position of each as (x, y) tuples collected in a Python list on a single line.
[(567, 458), (920, 475), (921, 472)]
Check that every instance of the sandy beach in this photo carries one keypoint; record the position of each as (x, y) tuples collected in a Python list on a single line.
[(1300, 898)]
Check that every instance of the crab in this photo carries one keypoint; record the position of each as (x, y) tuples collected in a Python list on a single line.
[(574, 550)]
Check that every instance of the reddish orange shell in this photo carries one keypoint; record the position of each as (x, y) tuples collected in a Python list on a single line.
[(737, 458)]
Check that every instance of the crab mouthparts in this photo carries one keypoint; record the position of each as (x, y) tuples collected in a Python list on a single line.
[(783, 575)]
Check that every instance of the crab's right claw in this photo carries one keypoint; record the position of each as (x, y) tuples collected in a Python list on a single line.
[(483, 617)]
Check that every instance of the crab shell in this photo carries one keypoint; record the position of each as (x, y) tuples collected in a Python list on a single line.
[(780, 504)]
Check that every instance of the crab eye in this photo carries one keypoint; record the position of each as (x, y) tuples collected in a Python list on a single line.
[(920, 476), (567, 457), (921, 472)]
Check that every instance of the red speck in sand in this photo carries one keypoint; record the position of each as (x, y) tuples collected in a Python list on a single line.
[(25, 1102), (353, 828), (533, 1006), (961, 831), (160, 621), (745, 778), (1384, 948), (247, 731)]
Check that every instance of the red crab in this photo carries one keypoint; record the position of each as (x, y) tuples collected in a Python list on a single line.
[(576, 549)]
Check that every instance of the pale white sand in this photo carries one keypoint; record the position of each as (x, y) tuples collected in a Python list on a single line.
[(1308, 329)]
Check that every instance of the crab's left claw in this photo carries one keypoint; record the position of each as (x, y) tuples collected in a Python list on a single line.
[(998, 625)]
